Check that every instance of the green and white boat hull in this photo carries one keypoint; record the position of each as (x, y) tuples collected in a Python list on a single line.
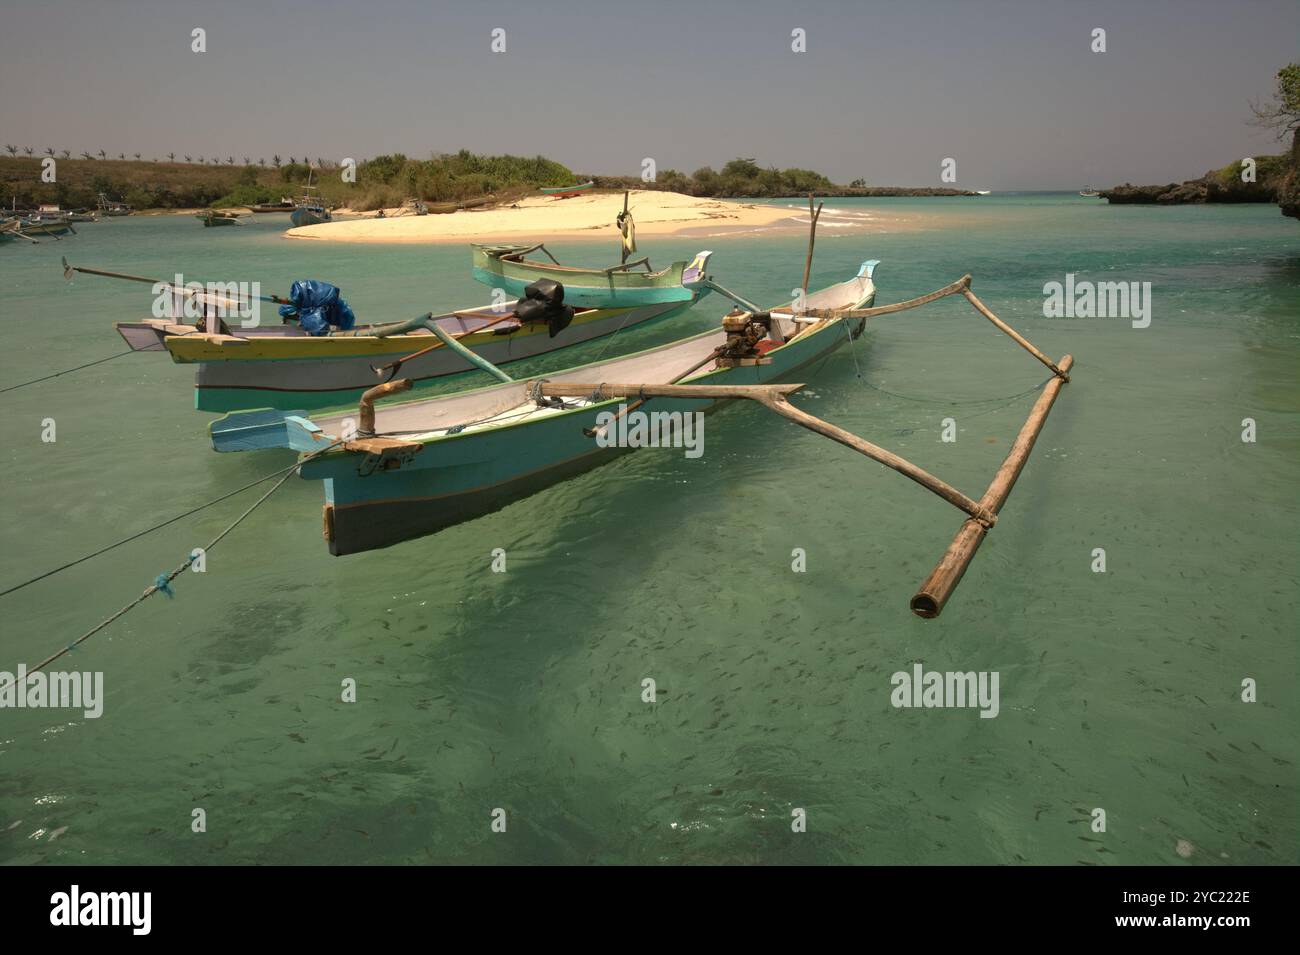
[(504, 267)]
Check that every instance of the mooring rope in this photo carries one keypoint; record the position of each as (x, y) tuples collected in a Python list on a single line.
[(610, 340), (163, 581), (66, 371), (148, 530), (964, 401)]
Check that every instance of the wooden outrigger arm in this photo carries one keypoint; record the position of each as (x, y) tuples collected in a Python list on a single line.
[(962, 287), (774, 398)]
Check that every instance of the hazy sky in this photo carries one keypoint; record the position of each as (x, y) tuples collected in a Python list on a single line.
[(886, 90)]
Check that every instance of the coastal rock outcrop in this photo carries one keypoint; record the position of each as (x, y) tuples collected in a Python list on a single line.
[(1288, 192), (1217, 185)]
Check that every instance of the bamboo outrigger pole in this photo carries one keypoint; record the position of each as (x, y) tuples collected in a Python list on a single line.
[(426, 321), (69, 269), (812, 238)]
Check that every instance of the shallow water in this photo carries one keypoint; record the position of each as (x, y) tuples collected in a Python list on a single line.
[(1118, 690)]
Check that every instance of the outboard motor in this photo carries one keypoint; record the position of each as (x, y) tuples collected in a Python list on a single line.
[(543, 301)]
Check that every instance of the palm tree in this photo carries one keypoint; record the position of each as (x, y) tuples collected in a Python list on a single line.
[(247, 161), (261, 162), (27, 150), (102, 154), (49, 150), (292, 161), (275, 161), (86, 155), (230, 160), (13, 150), (67, 154), (171, 157), (137, 156), (200, 160)]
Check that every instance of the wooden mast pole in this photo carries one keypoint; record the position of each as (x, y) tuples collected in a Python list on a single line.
[(812, 239), (622, 240)]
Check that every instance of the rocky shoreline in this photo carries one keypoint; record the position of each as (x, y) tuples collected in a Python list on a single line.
[(1277, 181)]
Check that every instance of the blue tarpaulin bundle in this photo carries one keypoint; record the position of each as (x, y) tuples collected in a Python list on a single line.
[(317, 307)]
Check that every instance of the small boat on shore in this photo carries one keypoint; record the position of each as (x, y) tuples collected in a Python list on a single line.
[(284, 205), (310, 212), (51, 212), (564, 192), (1089, 193), (508, 267), (211, 218)]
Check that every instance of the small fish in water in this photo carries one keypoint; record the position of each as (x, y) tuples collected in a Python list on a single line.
[(56, 833), (13, 825)]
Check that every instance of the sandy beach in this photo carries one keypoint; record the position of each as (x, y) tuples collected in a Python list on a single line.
[(655, 213)]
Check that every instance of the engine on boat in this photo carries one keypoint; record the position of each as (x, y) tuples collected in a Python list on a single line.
[(744, 332), (543, 301)]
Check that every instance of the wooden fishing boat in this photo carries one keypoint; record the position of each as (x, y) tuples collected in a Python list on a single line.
[(1089, 193), (284, 366), (45, 224), (310, 213), (109, 208), (310, 210), (440, 461), (284, 205), (508, 267), (211, 217), (564, 192), (281, 366)]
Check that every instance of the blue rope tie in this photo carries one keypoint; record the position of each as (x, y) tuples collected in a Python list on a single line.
[(163, 585)]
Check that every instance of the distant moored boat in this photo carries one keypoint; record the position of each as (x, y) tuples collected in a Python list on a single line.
[(110, 208), (310, 213), (563, 192), (1089, 193), (211, 217)]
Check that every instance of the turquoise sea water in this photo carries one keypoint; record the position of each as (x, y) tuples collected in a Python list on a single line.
[(523, 691)]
